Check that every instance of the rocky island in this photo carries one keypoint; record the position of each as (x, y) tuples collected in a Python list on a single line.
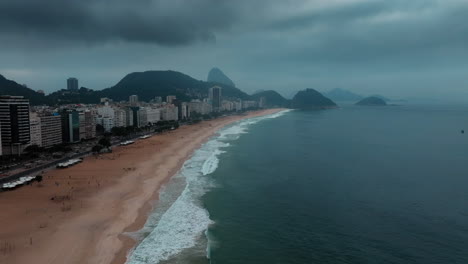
[(372, 101), (310, 99)]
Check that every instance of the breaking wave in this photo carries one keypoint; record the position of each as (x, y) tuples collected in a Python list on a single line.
[(182, 220)]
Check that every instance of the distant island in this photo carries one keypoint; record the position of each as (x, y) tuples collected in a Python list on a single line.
[(310, 99), (381, 97), (342, 95), (372, 101)]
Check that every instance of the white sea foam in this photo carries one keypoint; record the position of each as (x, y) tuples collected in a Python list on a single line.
[(180, 226)]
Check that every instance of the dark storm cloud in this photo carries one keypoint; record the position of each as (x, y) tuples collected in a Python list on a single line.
[(158, 21), (397, 46), (368, 31), (348, 12)]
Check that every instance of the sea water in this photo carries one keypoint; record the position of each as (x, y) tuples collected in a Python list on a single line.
[(350, 185), (180, 220)]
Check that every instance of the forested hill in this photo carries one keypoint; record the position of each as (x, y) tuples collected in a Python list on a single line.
[(147, 85)]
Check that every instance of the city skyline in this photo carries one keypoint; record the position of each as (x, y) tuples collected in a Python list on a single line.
[(45, 126)]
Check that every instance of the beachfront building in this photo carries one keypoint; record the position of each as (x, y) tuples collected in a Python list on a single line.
[(128, 117), (249, 104), (51, 130), (1, 153), (184, 111), (200, 107), (15, 127), (262, 102), (35, 128), (158, 100), (87, 125), (120, 117), (142, 120), (135, 116), (153, 115), (106, 111), (228, 106), (215, 98), (148, 116), (238, 105), (169, 112), (106, 117), (106, 122), (70, 126)]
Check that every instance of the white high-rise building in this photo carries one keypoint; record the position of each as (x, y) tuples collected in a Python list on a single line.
[(72, 84), (133, 99), (203, 108), (106, 122), (106, 111), (51, 130), (35, 128), (153, 115), (148, 116), (120, 117), (169, 112)]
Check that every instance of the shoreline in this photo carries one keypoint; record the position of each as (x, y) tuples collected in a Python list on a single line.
[(80, 214)]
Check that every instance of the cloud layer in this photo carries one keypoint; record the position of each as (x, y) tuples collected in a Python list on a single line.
[(149, 21), (395, 47)]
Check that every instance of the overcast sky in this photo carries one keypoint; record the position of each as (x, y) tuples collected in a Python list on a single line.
[(398, 48)]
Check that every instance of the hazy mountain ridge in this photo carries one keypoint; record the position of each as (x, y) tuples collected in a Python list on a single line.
[(147, 85), (372, 101), (150, 84), (343, 95)]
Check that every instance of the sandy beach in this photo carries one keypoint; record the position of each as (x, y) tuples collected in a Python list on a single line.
[(79, 214)]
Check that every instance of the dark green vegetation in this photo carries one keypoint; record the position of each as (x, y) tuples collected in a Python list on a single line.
[(310, 99), (273, 98), (150, 84), (8, 87), (218, 76), (147, 85), (372, 101)]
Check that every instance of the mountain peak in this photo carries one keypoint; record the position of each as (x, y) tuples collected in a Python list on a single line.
[(218, 76)]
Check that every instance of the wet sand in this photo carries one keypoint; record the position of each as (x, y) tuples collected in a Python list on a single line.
[(79, 214)]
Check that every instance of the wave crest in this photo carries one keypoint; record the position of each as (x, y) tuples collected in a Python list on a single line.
[(186, 220)]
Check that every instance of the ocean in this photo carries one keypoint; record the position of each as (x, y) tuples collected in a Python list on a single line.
[(349, 185)]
